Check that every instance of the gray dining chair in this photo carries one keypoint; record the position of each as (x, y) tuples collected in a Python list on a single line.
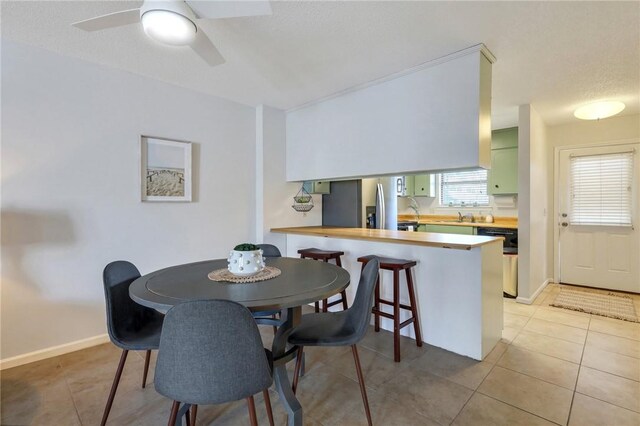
[(131, 327), (269, 250), (268, 317), (200, 364), (344, 328)]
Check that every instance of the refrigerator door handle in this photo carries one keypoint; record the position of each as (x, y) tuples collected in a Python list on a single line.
[(381, 217)]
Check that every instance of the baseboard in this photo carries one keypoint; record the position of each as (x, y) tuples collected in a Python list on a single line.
[(53, 351), (529, 300)]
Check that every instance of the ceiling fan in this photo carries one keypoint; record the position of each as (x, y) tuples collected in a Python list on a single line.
[(174, 22)]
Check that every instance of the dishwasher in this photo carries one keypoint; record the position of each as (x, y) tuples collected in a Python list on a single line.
[(509, 257)]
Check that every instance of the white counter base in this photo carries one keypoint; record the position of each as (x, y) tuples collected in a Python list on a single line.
[(459, 292)]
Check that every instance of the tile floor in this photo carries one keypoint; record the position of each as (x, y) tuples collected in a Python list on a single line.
[(553, 366)]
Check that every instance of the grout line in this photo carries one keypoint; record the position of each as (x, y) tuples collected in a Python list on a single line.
[(73, 400), (608, 402), (518, 408), (538, 378), (578, 375)]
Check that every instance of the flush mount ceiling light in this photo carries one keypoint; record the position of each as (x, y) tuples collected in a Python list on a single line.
[(598, 110), (169, 27)]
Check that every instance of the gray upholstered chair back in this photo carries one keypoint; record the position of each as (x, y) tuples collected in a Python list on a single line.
[(359, 314), (210, 353), (124, 316), (269, 250)]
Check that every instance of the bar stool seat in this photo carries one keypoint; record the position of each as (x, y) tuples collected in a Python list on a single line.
[(325, 256), (395, 265)]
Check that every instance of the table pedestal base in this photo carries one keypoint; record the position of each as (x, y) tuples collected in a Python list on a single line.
[(291, 318)]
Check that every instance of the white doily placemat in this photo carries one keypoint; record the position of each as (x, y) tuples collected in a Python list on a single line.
[(224, 275)]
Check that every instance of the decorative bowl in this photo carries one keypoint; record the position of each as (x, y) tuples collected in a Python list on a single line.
[(245, 263)]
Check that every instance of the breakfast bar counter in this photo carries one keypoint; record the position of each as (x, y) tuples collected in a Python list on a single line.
[(458, 279), (429, 239)]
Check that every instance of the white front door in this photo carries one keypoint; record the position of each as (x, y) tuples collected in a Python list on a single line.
[(598, 248)]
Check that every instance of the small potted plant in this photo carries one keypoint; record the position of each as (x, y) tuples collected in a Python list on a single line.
[(245, 260)]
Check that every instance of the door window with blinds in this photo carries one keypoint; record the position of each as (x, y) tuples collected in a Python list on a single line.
[(468, 188), (601, 189)]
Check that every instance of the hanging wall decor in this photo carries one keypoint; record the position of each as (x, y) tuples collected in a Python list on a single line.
[(165, 169)]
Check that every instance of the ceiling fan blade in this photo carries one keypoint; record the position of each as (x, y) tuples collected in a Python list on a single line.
[(214, 9), (206, 50), (116, 19)]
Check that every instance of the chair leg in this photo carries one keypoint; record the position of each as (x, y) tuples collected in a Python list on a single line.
[(187, 418), (252, 411), (363, 390), (376, 304), (114, 387), (344, 300), (296, 371), (267, 403), (275, 329), (194, 411), (414, 309), (174, 413), (317, 306), (146, 368), (396, 316)]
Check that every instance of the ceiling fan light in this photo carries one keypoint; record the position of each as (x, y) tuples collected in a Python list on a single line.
[(168, 27), (598, 110)]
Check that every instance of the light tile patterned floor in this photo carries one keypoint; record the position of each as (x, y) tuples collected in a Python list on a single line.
[(553, 366)]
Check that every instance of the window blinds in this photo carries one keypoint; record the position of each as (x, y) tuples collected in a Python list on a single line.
[(601, 189), (464, 188)]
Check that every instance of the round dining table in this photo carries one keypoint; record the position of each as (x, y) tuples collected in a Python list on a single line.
[(301, 281)]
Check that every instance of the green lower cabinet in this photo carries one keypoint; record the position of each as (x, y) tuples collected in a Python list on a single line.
[(448, 229)]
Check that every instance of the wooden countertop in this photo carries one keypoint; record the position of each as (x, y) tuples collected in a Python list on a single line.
[(499, 222), (431, 239)]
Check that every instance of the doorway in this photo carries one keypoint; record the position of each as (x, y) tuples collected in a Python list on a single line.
[(597, 236)]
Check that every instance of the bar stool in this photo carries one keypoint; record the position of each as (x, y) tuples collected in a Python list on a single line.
[(325, 256), (395, 265)]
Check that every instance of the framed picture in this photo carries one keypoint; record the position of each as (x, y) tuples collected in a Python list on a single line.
[(165, 169)]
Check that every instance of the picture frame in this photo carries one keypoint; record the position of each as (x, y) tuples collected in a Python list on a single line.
[(165, 169)]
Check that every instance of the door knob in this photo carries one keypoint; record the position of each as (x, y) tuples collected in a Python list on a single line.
[(565, 224)]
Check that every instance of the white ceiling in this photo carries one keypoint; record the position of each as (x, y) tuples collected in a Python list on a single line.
[(554, 55)]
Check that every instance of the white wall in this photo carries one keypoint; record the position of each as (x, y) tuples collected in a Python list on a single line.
[(435, 118), (275, 194), (533, 204), (581, 132), (70, 188)]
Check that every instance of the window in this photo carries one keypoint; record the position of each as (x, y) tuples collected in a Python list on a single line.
[(601, 189), (464, 188)]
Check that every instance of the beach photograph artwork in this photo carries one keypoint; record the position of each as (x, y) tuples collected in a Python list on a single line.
[(166, 170)]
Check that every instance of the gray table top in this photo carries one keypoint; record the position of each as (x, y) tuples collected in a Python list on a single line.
[(302, 281)]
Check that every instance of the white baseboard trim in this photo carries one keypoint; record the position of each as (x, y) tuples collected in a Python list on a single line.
[(529, 300), (53, 351)]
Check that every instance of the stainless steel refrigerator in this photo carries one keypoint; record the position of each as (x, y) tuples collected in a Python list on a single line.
[(346, 205)]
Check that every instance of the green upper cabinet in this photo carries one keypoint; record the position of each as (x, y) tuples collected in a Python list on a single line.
[(503, 176), (504, 138), (416, 186), (424, 186), (317, 186)]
